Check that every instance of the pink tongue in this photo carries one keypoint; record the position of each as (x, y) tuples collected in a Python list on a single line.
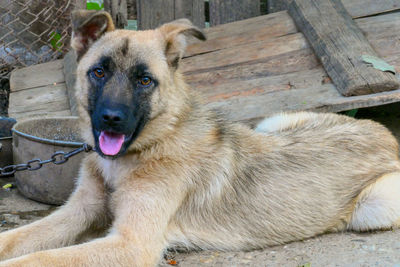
[(111, 143)]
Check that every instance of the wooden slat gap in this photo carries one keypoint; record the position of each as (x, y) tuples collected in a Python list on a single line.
[(396, 10), (203, 53), (237, 45), (35, 87)]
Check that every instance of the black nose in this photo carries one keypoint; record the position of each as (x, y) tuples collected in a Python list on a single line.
[(112, 117)]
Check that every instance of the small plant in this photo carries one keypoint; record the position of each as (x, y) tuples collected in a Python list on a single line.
[(55, 42), (94, 5)]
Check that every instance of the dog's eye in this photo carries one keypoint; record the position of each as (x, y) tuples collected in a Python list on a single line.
[(98, 72), (145, 81)]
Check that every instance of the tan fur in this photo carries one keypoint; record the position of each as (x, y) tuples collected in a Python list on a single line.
[(193, 180)]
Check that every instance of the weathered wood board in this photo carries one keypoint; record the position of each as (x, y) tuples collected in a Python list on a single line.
[(152, 13), (285, 76), (37, 75), (364, 8), (39, 90), (225, 11), (50, 100), (340, 45), (356, 8), (70, 66)]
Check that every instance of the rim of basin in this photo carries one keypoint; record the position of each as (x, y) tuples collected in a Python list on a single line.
[(45, 140)]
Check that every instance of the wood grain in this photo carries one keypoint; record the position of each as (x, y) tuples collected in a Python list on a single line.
[(37, 75), (340, 44), (289, 62), (191, 9), (225, 11), (244, 32), (275, 6), (356, 8), (364, 8), (118, 10), (41, 101), (69, 70), (244, 53), (153, 13)]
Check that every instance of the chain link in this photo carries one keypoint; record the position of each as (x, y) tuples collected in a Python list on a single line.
[(59, 157)]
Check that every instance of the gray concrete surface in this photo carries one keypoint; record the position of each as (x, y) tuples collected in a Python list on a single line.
[(341, 249)]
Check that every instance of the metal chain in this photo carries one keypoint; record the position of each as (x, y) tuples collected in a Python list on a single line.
[(59, 157)]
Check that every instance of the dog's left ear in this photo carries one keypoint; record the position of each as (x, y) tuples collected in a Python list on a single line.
[(87, 27), (175, 34)]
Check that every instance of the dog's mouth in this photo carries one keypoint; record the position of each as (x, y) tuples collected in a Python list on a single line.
[(112, 144)]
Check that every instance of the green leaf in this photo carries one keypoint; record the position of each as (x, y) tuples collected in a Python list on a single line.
[(94, 6), (308, 264), (378, 63), (55, 41)]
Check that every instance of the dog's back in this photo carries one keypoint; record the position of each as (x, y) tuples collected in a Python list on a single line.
[(299, 178)]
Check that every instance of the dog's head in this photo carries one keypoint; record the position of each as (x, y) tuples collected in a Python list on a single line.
[(126, 79)]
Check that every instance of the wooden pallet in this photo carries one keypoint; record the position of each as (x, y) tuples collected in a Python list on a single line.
[(256, 67), (250, 68)]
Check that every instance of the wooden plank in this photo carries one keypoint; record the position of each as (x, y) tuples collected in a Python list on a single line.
[(70, 66), (358, 8), (381, 31), (265, 85), (191, 9), (244, 53), (294, 61), (225, 11), (275, 6), (259, 102), (49, 100), (339, 44), (256, 23), (118, 10), (37, 75), (244, 32), (153, 13)]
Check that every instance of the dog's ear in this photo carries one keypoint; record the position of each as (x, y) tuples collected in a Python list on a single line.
[(175, 34), (87, 27)]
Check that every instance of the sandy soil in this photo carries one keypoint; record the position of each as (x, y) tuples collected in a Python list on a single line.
[(340, 249)]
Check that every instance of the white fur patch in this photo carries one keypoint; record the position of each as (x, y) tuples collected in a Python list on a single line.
[(108, 169), (283, 121), (271, 124), (379, 206)]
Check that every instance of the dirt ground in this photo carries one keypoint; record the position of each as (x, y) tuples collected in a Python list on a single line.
[(341, 249)]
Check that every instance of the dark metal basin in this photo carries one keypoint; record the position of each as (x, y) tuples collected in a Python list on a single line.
[(40, 138)]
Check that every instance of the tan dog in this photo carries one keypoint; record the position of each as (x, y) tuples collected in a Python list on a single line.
[(169, 172)]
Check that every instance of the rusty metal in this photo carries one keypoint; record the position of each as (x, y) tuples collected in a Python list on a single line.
[(59, 157)]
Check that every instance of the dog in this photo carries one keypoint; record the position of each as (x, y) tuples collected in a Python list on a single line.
[(169, 172)]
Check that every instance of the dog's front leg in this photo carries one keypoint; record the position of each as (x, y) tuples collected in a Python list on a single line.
[(142, 212), (62, 227)]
